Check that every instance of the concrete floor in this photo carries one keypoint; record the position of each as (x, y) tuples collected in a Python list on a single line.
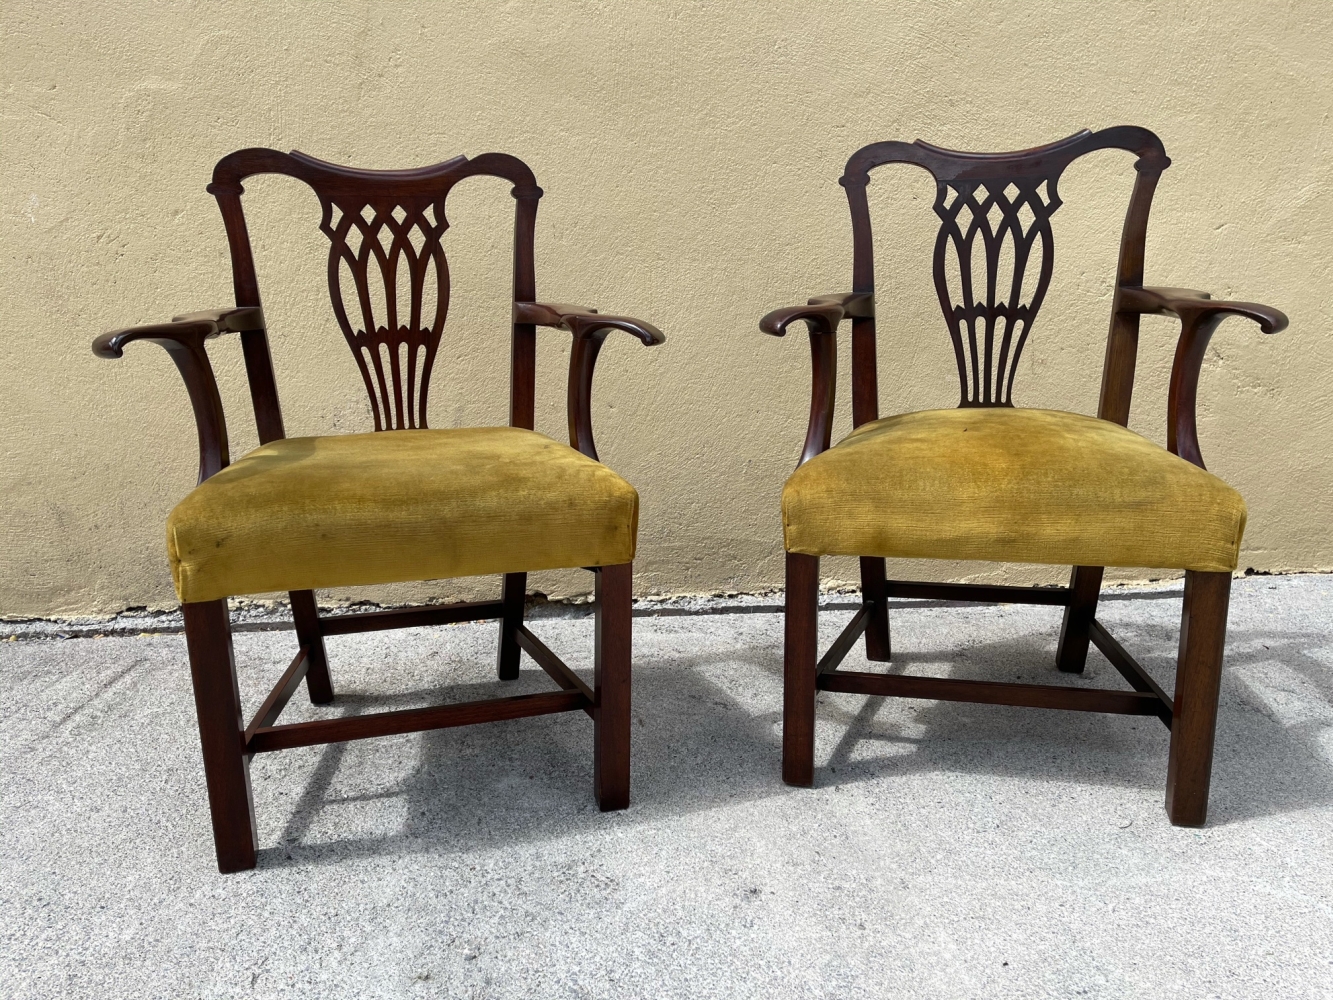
[(947, 851)]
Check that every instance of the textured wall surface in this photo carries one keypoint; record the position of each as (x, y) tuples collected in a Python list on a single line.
[(690, 153)]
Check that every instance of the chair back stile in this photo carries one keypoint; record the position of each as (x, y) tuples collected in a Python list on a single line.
[(388, 275), (993, 258)]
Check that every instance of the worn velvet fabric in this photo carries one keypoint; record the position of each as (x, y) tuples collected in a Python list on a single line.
[(1011, 485), (303, 513)]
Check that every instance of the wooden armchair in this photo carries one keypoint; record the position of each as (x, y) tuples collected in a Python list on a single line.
[(990, 481), (403, 503)]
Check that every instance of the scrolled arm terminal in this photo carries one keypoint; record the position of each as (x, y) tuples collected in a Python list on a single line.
[(589, 328), (183, 339), (821, 315), (1199, 315)]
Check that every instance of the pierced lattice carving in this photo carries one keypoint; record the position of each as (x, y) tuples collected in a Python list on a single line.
[(392, 314), (992, 231)]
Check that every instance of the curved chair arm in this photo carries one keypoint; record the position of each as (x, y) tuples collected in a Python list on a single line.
[(183, 339), (1199, 315), (590, 328), (821, 314)]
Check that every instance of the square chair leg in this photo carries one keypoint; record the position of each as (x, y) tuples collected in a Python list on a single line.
[(798, 680), (305, 615), (873, 593), (611, 686), (1085, 586), (1203, 631), (222, 733), (513, 594)]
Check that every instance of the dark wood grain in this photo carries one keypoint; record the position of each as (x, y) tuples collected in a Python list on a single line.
[(992, 266), (183, 340), (217, 702), (983, 593), (512, 598), (995, 211), (437, 614), (590, 330), (799, 669), (1203, 630), (1085, 586), (875, 594), (412, 720), (557, 669), (846, 639), (1199, 315), (305, 616), (823, 393), (611, 686), (280, 695), (1130, 669), (389, 292), (388, 276), (990, 692)]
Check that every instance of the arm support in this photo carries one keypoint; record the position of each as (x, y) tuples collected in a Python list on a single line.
[(590, 329), (1199, 316), (821, 315), (183, 339)]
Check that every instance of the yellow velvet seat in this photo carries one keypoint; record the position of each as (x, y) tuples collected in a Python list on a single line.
[(1011, 485), (304, 513)]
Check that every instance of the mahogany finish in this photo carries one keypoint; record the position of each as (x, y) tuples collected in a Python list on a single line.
[(992, 264), (1203, 630), (1085, 584), (611, 687), (433, 614), (410, 720), (388, 281), (217, 702), (800, 669)]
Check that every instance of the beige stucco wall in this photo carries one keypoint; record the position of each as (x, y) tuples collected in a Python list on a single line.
[(690, 153)]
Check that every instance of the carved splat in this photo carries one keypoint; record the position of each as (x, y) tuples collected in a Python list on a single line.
[(388, 275), (994, 252), (389, 282), (994, 235)]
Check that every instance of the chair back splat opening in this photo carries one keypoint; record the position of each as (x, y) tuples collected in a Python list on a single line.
[(387, 271), (994, 253)]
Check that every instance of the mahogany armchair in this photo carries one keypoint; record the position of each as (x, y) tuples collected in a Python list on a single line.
[(990, 481), (405, 502)]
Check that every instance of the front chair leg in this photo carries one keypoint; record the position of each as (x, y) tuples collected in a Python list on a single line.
[(798, 683), (1085, 586), (611, 686), (514, 592), (1203, 632), (878, 649), (305, 615), (217, 701)]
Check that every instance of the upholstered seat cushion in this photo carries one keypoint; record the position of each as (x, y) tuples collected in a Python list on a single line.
[(1011, 485), (398, 505)]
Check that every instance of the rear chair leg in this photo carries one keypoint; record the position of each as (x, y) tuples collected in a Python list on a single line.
[(217, 701), (1203, 631), (318, 684), (1085, 586), (515, 590), (611, 686), (798, 684), (873, 593)]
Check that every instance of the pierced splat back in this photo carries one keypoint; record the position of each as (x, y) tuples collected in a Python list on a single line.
[(387, 271), (994, 253)]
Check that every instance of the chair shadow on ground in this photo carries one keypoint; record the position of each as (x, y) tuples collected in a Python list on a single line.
[(700, 744)]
